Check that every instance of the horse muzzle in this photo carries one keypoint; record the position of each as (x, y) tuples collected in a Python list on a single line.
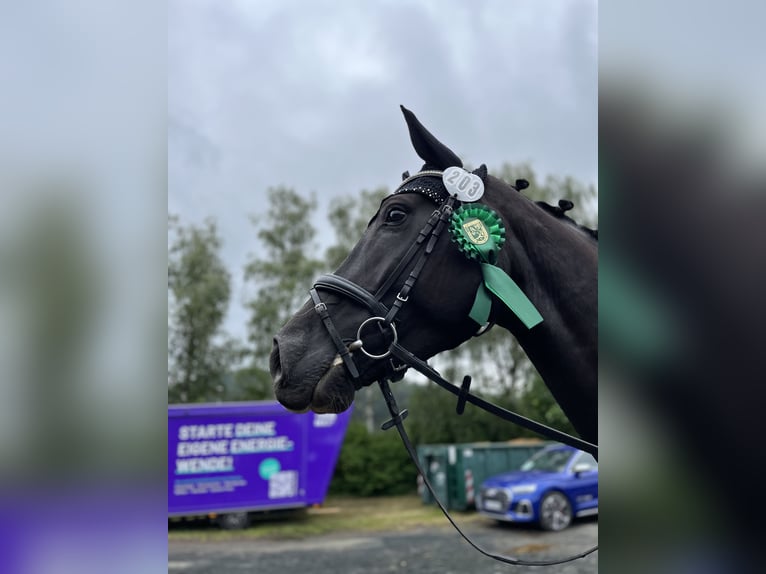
[(292, 397), (309, 378)]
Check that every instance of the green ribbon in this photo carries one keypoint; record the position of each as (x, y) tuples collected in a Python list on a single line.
[(480, 234), (505, 288)]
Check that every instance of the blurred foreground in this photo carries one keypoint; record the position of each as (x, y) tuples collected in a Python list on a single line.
[(681, 283)]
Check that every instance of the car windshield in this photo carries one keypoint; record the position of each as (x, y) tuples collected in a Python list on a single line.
[(548, 460)]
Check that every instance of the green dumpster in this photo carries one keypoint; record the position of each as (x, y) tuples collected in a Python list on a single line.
[(457, 470), (435, 462)]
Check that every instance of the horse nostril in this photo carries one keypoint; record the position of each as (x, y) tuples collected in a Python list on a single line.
[(275, 366)]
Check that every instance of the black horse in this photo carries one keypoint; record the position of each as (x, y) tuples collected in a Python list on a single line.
[(552, 259)]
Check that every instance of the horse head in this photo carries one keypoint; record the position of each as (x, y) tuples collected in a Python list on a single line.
[(411, 280)]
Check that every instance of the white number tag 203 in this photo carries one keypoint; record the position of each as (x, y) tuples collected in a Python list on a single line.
[(467, 187)]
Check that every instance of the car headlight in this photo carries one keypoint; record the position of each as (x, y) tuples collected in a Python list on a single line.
[(524, 488)]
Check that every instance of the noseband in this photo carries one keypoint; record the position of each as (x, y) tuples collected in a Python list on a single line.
[(398, 359)]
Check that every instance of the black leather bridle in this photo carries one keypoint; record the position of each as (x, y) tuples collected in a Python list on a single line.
[(384, 317), (398, 359)]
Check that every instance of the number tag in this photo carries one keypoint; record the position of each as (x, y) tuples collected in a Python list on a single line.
[(467, 187)]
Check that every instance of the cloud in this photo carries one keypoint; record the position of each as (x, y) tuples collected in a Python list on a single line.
[(306, 94)]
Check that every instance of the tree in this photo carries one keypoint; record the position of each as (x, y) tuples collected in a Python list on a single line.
[(199, 355), (372, 464), (282, 273), (349, 218), (434, 420), (283, 270), (250, 383), (553, 188), (537, 403)]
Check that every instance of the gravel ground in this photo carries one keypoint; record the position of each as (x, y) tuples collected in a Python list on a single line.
[(423, 551)]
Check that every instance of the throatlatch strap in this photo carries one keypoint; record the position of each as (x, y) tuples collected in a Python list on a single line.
[(404, 293), (411, 252)]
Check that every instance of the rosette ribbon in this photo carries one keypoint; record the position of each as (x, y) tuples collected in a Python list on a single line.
[(479, 234)]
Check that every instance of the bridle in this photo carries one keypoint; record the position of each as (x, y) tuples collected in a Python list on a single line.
[(382, 315), (398, 359)]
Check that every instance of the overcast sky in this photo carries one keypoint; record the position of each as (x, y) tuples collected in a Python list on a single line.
[(306, 94)]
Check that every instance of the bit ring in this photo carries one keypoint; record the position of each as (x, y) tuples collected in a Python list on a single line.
[(361, 344)]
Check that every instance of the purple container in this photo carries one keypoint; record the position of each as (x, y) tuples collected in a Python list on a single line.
[(241, 457)]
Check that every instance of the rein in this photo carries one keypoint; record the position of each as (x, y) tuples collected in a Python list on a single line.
[(400, 359), (397, 420)]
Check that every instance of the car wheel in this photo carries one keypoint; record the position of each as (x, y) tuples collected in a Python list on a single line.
[(555, 512), (234, 521)]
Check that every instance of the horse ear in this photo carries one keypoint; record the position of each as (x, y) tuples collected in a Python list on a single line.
[(432, 151), (481, 171)]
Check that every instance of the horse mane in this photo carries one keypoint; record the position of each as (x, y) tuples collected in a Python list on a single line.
[(559, 212)]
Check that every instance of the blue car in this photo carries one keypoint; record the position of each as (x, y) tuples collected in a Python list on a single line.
[(556, 484)]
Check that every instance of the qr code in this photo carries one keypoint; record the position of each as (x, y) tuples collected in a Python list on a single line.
[(283, 484)]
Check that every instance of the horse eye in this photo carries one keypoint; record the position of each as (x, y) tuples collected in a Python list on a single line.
[(396, 216)]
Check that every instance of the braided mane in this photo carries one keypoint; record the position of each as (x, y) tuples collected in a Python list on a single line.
[(559, 212)]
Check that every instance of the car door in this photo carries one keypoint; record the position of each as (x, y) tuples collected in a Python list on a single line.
[(583, 489)]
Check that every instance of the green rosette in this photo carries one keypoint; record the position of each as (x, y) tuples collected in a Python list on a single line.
[(478, 231), (480, 234)]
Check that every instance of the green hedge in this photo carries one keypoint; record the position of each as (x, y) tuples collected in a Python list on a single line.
[(373, 464)]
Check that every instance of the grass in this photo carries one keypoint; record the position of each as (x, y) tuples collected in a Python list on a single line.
[(339, 515)]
